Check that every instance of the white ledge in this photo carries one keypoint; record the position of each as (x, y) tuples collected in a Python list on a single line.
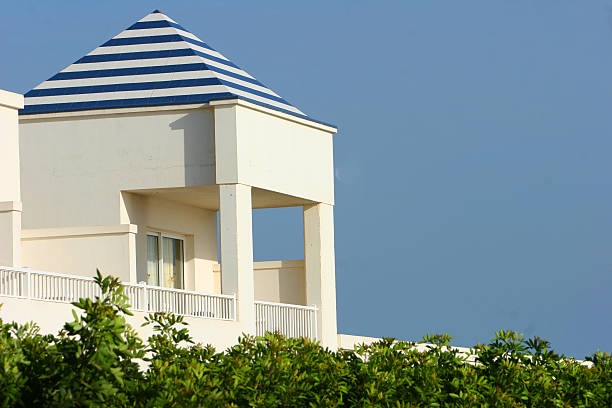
[(273, 112), (78, 231), (11, 99), (258, 266), (145, 109), (8, 206)]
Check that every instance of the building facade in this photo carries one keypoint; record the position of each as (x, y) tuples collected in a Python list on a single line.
[(145, 159)]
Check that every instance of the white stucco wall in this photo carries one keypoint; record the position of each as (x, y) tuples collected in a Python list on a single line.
[(10, 194), (9, 146), (82, 250), (86, 169), (273, 153), (120, 250), (73, 168), (51, 316)]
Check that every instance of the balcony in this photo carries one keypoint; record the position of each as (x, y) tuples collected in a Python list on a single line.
[(289, 320)]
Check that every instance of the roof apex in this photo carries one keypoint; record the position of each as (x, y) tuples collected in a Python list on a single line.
[(154, 62)]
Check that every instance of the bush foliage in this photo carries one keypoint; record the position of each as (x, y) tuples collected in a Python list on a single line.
[(98, 360)]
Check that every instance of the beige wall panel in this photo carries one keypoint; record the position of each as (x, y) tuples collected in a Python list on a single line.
[(275, 281), (72, 169), (80, 254), (280, 281)]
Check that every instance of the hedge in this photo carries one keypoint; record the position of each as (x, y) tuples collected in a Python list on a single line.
[(98, 360)]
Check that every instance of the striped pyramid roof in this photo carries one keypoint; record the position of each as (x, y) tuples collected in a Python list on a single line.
[(154, 62)]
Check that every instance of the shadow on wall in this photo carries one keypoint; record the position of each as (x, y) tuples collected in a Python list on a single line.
[(197, 129)]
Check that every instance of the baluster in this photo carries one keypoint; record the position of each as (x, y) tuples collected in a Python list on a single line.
[(269, 319), (264, 318), (276, 320), (284, 321), (145, 299)]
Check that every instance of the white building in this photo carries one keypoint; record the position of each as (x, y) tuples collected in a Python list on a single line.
[(123, 161)]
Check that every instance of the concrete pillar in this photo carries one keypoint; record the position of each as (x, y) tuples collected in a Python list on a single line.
[(10, 233), (10, 188), (236, 230), (319, 262)]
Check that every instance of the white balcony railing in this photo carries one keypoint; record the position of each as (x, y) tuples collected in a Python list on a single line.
[(32, 284), (289, 320)]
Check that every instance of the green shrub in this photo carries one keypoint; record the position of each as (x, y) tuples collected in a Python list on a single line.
[(97, 360)]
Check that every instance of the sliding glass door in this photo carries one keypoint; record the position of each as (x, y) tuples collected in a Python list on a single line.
[(165, 260)]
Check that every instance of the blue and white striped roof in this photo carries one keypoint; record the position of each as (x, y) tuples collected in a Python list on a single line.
[(154, 62)]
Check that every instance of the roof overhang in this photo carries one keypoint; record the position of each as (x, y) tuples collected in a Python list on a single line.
[(234, 101)]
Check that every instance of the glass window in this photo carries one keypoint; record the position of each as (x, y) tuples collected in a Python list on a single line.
[(165, 260), (153, 260), (173, 263)]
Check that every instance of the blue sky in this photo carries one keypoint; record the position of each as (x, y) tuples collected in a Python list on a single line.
[(473, 171)]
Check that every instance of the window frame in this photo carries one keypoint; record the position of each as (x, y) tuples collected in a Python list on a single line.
[(160, 251)]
